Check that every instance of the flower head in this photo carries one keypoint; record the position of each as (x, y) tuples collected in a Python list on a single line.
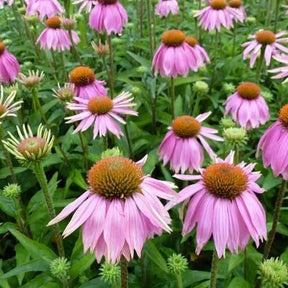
[(164, 7), (85, 83), (247, 106), (65, 93), (120, 210), (102, 112), (32, 79), (108, 15), (216, 14), (275, 138), (175, 56), (9, 66), (237, 5), (100, 49), (266, 41), (29, 147), (182, 144), (223, 204)]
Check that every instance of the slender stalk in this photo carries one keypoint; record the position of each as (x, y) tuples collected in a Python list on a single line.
[(278, 205), (41, 177), (124, 273), (154, 114), (52, 69), (16, 16), (269, 12), (260, 63), (183, 11), (111, 71), (32, 40), (63, 65), (141, 18), (216, 50), (179, 281), (276, 15), (196, 105), (129, 141), (107, 72), (148, 2), (154, 26), (84, 149), (234, 39), (214, 269), (75, 51), (172, 95)]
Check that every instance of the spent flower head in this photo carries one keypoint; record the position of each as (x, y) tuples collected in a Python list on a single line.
[(11, 88), (11, 191), (65, 93), (31, 19), (68, 23), (273, 273), (29, 147), (100, 49), (177, 263), (32, 79), (60, 267), (110, 273)]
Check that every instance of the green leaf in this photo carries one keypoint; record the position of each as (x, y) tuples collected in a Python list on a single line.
[(235, 260), (37, 281), (94, 283), (153, 253), (81, 265), (140, 60), (22, 257), (191, 277), (7, 206), (36, 249), (4, 227), (238, 283)]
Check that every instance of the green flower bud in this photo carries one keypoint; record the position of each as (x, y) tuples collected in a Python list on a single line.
[(177, 263), (273, 273), (228, 88), (60, 267), (110, 273), (114, 152), (135, 90), (7, 42), (32, 19), (267, 95), (11, 191), (11, 88), (201, 87), (227, 123), (143, 69), (234, 136), (251, 19)]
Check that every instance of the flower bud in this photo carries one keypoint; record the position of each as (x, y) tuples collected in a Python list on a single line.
[(110, 273), (11, 191), (201, 87), (60, 267), (235, 137), (114, 152), (177, 263), (228, 88), (227, 123)]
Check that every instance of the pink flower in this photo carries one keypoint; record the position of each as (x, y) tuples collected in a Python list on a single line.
[(164, 7), (88, 4), (9, 66), (223, 204), (109, 15), (181, 147), (85, 84), (274, 145), (216, 14), (240, 14), (102, 112), (283, 71), (266, 40), (199, 52), (54, 37), (175, 57), (120, 210), (247, 106), (44, 7)]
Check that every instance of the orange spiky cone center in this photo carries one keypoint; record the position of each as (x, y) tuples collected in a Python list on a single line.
[(173, 38), (107, 2), (191, 41), (2, 48), (2, 110), (218, 4), (248, 90), (235, 3), (100, 105), (265, 37), (31, 145), (186, 126), (82, 76), (115, 177), (283, 115), (225, 180), (53, 22)]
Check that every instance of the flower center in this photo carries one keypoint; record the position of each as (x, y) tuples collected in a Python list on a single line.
[(2, 110), (218, 4), (2, 48), (100, 105), (248, 90), (225, 180), (107, 2), (283, 115), (82, 76), (186, 126), (53, 22), (191, 41), (31, 145), (115, 177), (265, 37), (173, 38), (235, 3)]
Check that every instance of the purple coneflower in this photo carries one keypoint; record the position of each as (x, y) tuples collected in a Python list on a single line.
[(109, 15), (88, 4), (247, 106), (240, 14), (54, 37), (9, 66), (223, 204), (101, 111), (266, 40), (181, 145), (282, 71), (164, 7), (120, 210), (274, 145), (85, 83)]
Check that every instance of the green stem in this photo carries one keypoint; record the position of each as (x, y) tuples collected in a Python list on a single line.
[(276, 15), (124, 273), (278, 205), (16, 16), (214, 269), (172, 92), (84, 149), (75, 51), (63, 65), (41, 177), (141, 18), (179, 281), (234, 39), (149, 27), (52, 69), (183, 11), (129, 141), (111, 71), (196, 106), (260, 63)]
